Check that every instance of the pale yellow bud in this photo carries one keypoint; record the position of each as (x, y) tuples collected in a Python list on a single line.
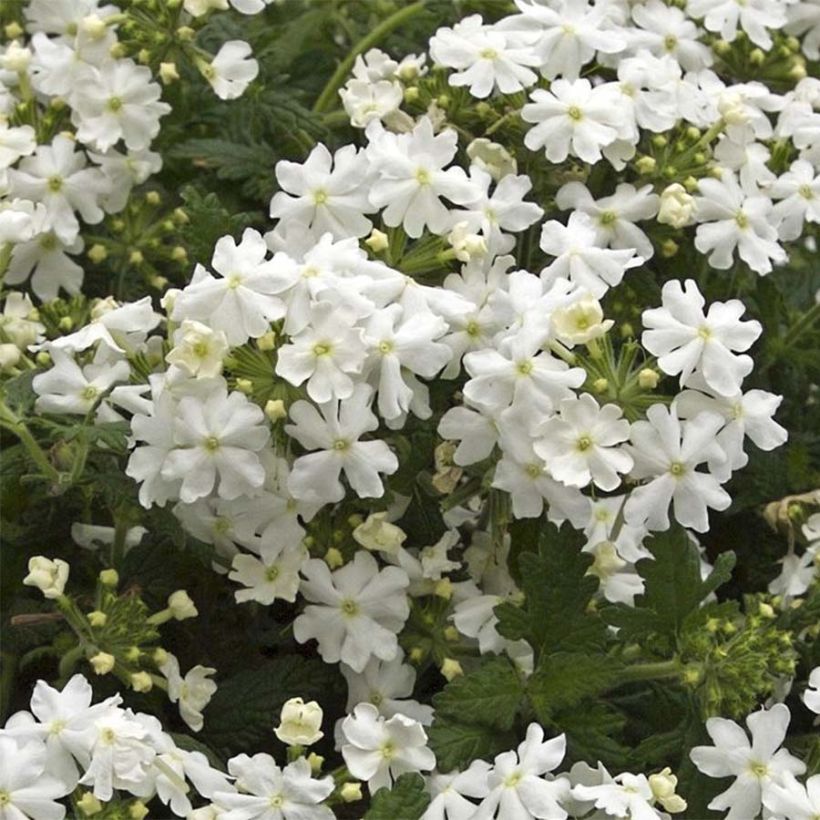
[(377, 241), (351, 792), (451, 668), (102, 663)]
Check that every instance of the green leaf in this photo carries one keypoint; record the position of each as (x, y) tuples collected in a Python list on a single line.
[(407, 800), (557, 591), (591, 730), (566, 678), (246, 706), (673, 587), (456, 743), (490, 696)]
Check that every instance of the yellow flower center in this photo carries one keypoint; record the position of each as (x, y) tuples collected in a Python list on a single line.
[(349, 608), (114, 104), (423, 176), (211, 444), (742, 220), (670, 42), (575, 113), (320, 197), (584, 443), (55, 184), (272, 573), (322, 349), (677, 468)]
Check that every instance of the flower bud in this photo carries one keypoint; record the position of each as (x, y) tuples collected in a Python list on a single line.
[(491, 157), (9, 356), (646, 165), (275, 410), (377, 241), (648, 378), (351, 792), (267, 341), (181, 605), (16, 58), (377, 534), (97, 618), (137, 810), (316, 762), (580, 322), (677, 206), (89, 805), (97, 253), (168, 73), (109, 578), (300, 723), (451, 668), (141, 682), (334, 558), (48, 576), (102, 663)]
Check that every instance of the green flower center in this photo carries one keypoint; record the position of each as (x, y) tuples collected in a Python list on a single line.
[(677, 468), (322, 349), (584, 443), (55, 184), (272, 573), (211, 444), (349, 608), (114, 104)]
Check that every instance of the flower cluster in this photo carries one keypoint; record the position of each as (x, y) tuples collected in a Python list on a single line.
[(492, 310)]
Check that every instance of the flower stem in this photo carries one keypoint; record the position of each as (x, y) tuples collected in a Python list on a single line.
[(656, 670), (326, 98), (11, 422)]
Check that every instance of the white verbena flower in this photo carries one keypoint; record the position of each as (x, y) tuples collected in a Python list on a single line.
[(300, 723)]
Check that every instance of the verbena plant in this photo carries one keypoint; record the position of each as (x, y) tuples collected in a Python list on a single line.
[(409, 409)]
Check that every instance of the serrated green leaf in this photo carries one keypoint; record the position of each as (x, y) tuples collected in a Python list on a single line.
[(673, 587), (489, 696), (566, 678), (557, 594), (456, 744), (592, 729), (406, 800)]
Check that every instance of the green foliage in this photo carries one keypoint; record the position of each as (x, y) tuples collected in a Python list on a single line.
[(673, 589), (246, 707), (406, 799)]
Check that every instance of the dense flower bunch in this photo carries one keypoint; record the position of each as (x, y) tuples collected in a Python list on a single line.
[(431, 328)]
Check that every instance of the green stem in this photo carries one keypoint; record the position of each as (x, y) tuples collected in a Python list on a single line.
[(464, 493), (803, 324), (657, 670), (11, 422), (328, 95), (70, 660)]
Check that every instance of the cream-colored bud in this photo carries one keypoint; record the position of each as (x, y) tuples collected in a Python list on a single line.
[(137, 810), (316, 762), (378, 534), (168, 73), (141, 682), (492, 157), (299, 723), (181, 605), (275, 410), (334, 558), (580, 322), (648, 378), (97, 619), (377, 241), (267, 341), (451, 668), (48, 576), (109, 577), (351, 792), (9, 356), (89, 805), (102, 663), (677, 206)]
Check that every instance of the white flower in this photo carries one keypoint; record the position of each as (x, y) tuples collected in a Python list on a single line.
[(753, 16), (240, 303), (232, 70), (580, 259), (216, 438), (388, 685), (355, 612), (48, 576), (730, 219), (198, 349), (491, 157), (579, 444), (667, 30), (117, 101), (274, 577), (668, 452), (45, 258), (449, 792), (270, 793), (565, 35), (334, 430), (27, 787), (517, 784), (614, 216), (401, 345), (804, 19), (485, 57), (379, 750), (15, 142), (192, 693), (121, 754), (677, 206), (573, 117), (325, 354), (57, 176), (299, 723), (412, 178), (799, 193), (811, 697), (792, 799), (325, 200), (366, 101), (747, 415), (756, 765), (687, 341), (626, 795)]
